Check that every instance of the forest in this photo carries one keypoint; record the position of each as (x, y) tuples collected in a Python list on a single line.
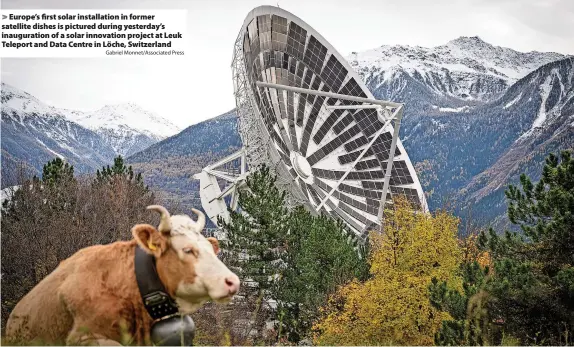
[(424, 280)]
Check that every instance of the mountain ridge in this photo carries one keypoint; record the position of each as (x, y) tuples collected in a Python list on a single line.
[(127, 127), (551, 128), (467, 68), (34, 132)]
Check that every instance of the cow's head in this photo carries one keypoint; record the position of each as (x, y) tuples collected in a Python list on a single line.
[(186, 261)]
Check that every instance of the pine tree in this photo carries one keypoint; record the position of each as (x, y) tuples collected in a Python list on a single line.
[(463, 328), (291, 257), (258, 232), (122, 193), (57, 171), (57, 176), (320, 257), (532, 285), (469, 321), (119, 169), (56, 183)]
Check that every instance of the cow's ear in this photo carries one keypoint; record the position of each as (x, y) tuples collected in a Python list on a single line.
[(214, 243), (149, 239)]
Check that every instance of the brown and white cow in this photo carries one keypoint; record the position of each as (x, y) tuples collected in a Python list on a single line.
[(94, 293)]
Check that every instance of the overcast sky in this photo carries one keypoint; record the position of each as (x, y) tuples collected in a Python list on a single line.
[(199, 86)]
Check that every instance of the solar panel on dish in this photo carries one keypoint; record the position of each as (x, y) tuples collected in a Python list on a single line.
[(310, 145)]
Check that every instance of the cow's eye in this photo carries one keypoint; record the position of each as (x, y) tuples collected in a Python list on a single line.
[(188, 250)]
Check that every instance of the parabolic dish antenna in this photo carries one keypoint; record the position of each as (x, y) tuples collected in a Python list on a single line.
[(304, 112)]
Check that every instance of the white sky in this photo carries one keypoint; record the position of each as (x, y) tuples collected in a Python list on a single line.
[(199, 87)]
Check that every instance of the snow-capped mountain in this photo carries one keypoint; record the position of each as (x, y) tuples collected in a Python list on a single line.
[(475, 114), (34, 132), (16, 101), (465, 69), (128, 128), (469, 157), (212, 136)]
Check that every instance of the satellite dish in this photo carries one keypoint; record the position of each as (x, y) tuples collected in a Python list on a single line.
[(303, 111)]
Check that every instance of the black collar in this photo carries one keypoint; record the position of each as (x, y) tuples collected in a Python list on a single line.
[(157, 301)]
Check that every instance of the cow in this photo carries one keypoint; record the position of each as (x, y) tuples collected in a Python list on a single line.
[(93, 296)]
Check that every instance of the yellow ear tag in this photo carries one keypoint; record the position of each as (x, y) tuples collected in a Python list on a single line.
[(151, 245)]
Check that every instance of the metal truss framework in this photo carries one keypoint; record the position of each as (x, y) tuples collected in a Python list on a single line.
[(212, 194)]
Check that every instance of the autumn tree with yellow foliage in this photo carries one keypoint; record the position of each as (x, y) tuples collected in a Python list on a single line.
[(392, 306)]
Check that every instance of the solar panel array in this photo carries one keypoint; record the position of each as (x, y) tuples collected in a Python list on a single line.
[(281, 51)]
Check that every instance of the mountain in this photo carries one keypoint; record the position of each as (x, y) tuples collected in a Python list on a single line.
[(463, 106), (538, 114), (460, 73), (476, 117), (128, 128), (217, 135), (470, 157), (170, 164), (35, 133)]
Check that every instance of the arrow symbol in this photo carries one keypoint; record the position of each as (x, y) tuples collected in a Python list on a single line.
[(4, 16)]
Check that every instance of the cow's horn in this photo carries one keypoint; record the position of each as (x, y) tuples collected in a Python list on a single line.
[(200, 219), (165, 222)]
